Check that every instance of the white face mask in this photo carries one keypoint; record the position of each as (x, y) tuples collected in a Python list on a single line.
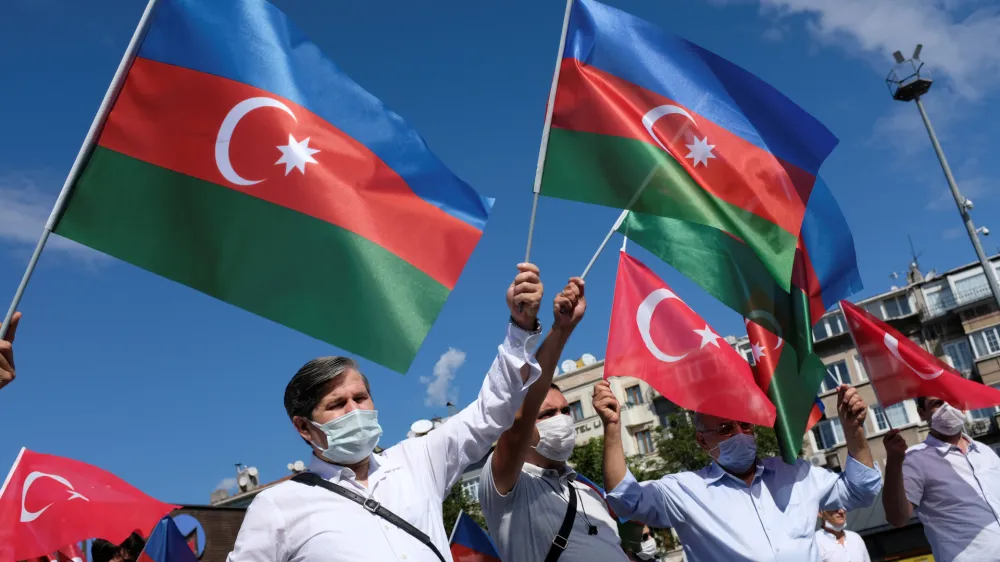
[(556, 438), (648, 549), (837, 528), (351, 437), (947, 420)]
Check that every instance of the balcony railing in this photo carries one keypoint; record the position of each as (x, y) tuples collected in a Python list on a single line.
[(951, 301)]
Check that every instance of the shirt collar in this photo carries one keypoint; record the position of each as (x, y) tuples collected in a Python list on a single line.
[(716, 472), (943, 447), (540, 472), (378, 466)]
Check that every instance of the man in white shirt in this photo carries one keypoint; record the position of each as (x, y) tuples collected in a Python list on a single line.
[(741, 508), (837, 544), (329, 403), (526, 486), (950, 481)]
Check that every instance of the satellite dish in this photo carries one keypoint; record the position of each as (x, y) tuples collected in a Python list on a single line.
[(299, 466), (243, 481), (421, 427), (252, 471), (588, 359), (568, 366), (291, 466)]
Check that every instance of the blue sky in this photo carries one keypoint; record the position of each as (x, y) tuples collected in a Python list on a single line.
[(169, 388)]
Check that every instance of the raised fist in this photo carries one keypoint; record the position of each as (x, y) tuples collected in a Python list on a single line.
[(606, 404)]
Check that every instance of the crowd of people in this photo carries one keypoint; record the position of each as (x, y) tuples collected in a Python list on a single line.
[(354, 504)]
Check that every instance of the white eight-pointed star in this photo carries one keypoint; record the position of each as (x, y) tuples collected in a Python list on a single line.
[(758, 352), (296, 154), (701, 151)]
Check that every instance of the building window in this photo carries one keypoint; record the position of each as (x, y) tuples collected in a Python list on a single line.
[(897, 306), (576, 410), (859, 368), (471, 488), (897, 416), (836, 375), (644, 440), (830, 326), (938, 301), (986, 342), (633, 395), (984, 413), (960, 354), (748, 355), (829, 433), (971, 288)]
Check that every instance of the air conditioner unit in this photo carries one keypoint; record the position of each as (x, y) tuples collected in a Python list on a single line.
[(819, 459), (977, 428)]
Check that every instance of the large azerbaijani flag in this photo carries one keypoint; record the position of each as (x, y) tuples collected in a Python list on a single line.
[(240, 161), (647, 121)]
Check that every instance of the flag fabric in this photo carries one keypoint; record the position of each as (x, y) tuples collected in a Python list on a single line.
[(900, 369), (648, 121), (470, 543), (790, 384), (166, 544), (241, 162), (48, 502), (818, 411), (70, 553), (655, 337)]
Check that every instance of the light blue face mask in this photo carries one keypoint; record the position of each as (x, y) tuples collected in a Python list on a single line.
[(351, 437), (737, 453)]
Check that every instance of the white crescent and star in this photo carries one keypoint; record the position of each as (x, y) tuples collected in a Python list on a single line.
[(701, 151), (644, 316), (296, 154), (758, 313), (29, 516), (893, 345)]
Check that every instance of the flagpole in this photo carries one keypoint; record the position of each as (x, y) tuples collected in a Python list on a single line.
[(10, 474), (607, 238), (624, 242), (454, 527), (89, 142), (544, 147), (870, 380)]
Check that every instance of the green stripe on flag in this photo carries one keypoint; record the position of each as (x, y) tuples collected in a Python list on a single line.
[(296, 270), (608, 170)]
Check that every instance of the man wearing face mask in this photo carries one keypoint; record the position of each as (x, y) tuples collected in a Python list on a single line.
[(836, 544), (647, 548), (950, 481), (741, 508), (354, 505), (535, 509)]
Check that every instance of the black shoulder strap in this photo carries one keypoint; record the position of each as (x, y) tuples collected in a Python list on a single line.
[(561, 541), (371, 505)]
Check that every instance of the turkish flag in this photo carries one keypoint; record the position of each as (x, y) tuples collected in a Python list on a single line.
[(71, 553), (657, 338), (49, 502), (900, 369)]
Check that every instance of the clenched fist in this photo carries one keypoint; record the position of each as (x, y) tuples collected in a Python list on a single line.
[(606, 404), (851, 408), (524, 296), (569, 305), (7, 352), (895, 446)]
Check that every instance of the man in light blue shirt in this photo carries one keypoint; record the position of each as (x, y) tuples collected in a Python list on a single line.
[(741, 508)]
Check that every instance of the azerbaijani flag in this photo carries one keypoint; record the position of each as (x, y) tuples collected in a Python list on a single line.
[(470, 543), (166, 544), (647, 121), (240, 161)]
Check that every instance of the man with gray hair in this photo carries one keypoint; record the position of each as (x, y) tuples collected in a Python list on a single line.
[(355, 505)]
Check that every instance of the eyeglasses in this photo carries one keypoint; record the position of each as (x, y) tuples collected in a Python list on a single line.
[(728, 429), (645, 536)]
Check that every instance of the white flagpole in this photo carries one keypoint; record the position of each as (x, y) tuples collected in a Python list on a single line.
[(11, 473), (867, 368), (624, 242), (89, 142), (604, 243), (544, 147), (454, 527)]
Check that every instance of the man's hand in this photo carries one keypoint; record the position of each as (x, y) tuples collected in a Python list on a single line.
[(606, 404), (569, 305), (7, 352), (851, 408), (524, 296), (895, 446)]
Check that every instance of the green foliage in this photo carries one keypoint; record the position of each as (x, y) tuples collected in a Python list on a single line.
[(456, 501), (588, 460), (678, 450)]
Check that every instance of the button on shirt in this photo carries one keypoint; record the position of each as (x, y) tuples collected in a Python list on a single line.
[(830, 549), (718, 517), (296, 522), (956, 497), (524, 522)]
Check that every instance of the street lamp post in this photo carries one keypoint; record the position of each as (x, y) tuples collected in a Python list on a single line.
[(907, 82)]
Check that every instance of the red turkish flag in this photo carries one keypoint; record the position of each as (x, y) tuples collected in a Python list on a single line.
[(48, 502), (657, 338), (900, 369), (71, 553)]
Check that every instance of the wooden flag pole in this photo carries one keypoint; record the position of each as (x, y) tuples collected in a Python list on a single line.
[(885, 413), (89, 142), (544, 147)]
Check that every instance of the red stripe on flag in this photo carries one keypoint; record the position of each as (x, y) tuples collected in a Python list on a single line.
[(804, 277), (171, 117), (593, 101), (462, 553)]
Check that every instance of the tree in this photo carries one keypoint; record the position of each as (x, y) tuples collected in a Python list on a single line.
[(459, 500), (678, 451)]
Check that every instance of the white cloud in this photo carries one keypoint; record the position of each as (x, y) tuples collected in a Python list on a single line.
[(773, 34), (439, 389), (226, 484), (23, 212)]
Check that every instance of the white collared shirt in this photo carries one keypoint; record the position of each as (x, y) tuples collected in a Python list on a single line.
[(524, 522), (957, 498), (296, 522), (830, 550)]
